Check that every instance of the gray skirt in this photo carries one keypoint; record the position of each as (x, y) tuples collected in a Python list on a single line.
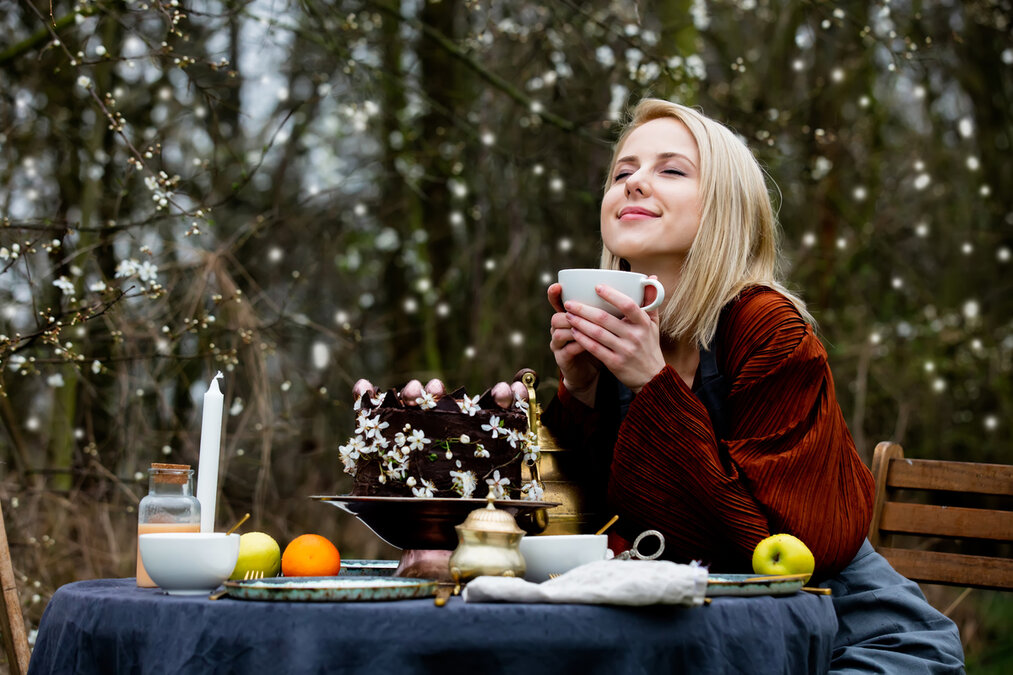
[(885, 625)]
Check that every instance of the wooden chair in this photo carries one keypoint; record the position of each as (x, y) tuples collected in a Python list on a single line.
[(923, 505), (12, 623)]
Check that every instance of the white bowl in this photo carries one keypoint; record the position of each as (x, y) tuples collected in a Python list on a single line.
[(557, 553), (189, 563)]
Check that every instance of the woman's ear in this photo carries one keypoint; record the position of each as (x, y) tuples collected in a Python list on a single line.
[(624, 265)]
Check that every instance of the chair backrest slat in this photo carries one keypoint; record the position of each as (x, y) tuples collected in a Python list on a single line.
[(929, 474), (947, 521), (951, 568)]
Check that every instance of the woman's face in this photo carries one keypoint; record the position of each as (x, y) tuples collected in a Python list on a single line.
[(650, 213)]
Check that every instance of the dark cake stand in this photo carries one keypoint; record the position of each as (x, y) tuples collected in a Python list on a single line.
[(423, 528)]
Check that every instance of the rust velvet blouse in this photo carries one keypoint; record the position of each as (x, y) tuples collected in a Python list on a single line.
[(787, 462)]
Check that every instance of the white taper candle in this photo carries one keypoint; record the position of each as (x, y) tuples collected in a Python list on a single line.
[(210, 447)]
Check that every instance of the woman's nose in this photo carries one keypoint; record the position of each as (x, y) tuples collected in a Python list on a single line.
[(637, 182)]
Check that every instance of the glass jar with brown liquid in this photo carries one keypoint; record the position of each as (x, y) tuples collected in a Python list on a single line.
[(169, 506)]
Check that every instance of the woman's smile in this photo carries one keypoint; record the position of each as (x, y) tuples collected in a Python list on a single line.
[(637, 213)]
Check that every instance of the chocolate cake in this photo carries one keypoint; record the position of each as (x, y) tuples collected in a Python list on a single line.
[(449, 446)]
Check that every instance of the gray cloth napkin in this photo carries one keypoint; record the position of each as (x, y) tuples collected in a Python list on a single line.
[(604, 582)]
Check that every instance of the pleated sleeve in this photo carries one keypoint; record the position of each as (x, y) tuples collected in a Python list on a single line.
[(788, 465)]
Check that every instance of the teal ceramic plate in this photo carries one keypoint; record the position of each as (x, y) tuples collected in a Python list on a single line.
[(367, 568), (332, 589), (753, 584)]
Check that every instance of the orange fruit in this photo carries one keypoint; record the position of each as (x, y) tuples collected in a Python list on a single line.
[(310, 555)]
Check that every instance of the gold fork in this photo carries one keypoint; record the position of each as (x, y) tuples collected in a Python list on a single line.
[(249, 575)]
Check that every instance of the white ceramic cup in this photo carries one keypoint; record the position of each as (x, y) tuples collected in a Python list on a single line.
[(557, 553), (579, 285)]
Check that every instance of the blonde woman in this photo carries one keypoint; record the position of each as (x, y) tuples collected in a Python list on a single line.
[(713, 418)]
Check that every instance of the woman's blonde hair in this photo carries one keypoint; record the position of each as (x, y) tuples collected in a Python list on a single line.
[(736, 245)]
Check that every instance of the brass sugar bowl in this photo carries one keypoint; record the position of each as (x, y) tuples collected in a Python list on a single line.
[(488, 545)]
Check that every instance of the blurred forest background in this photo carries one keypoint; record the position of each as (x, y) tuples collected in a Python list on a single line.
[(304, 193)]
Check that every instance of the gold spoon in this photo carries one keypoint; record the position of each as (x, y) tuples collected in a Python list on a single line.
[(236, 526), (608, 524)]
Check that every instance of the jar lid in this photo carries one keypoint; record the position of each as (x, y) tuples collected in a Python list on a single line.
[(175, 474)]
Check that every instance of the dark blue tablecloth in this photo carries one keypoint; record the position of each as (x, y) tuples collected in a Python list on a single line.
[(110, 626)]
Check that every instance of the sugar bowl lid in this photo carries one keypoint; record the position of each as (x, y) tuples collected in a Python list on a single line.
[(491, 519)]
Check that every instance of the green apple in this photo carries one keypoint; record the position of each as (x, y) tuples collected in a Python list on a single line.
[(258, 552), (783, 554)]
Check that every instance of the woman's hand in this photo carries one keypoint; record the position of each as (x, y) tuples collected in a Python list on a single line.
[(630, 347), (579, 368)]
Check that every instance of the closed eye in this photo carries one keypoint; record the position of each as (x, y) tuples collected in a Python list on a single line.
[(675, 172)]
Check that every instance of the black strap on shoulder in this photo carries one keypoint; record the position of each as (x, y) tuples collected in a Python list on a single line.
[(713, 391), (625, 399), (710, 388)]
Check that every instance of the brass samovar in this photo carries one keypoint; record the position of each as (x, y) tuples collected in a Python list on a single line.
[(550, 470)]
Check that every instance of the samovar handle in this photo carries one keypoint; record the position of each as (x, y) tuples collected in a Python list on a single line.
[(535, 521), (529, 379)]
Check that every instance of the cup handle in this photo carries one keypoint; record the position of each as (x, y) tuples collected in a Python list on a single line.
[(661, 293)]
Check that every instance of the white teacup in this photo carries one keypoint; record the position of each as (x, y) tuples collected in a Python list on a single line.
[(551, 554), (579, 285)]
